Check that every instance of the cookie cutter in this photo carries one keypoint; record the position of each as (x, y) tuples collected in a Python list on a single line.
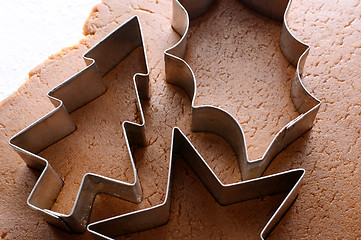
[(72, 94), (225, 194), (215, 120)]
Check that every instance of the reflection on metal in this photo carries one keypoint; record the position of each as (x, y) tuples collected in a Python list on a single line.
[(67, 97)]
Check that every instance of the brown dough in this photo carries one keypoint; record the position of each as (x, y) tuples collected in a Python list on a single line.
[(238, 65)]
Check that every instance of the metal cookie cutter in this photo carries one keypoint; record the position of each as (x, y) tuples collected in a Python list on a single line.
[(215, 120), (74, 93)]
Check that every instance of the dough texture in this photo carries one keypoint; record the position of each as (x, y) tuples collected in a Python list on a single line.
[(239, 67)]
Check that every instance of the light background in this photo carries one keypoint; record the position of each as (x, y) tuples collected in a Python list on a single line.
[(32, 30)]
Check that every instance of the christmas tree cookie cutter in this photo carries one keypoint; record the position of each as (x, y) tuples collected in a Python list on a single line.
[(72, 94)]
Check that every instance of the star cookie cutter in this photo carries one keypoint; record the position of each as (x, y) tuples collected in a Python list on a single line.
[(215, 120), (72, 94)]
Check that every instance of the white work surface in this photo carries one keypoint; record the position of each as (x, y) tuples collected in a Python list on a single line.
[(32, 30)]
